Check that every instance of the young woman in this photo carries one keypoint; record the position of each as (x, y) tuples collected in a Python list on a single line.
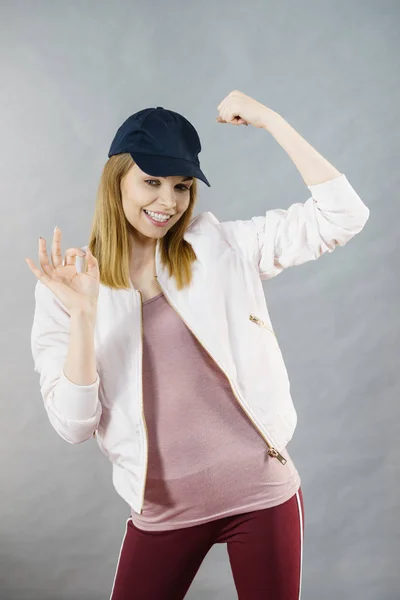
[(161, 347)]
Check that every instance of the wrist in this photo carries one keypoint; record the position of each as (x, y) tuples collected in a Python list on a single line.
[(86, 315), (269, 117)]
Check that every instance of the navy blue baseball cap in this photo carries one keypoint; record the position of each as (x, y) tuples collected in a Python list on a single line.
[(162, 142)]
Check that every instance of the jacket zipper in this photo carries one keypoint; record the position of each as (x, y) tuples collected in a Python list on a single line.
[(144, 419)]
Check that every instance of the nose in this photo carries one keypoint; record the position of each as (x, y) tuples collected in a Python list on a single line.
[(168, 198)]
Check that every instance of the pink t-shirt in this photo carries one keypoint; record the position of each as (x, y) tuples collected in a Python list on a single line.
[(206, 458)]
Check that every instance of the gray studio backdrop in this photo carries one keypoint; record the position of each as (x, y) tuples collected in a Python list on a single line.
[(70, 73)]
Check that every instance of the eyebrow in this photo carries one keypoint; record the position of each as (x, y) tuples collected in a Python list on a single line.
[(184, 179)]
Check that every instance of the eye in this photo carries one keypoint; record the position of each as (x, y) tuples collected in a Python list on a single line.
[(182, 187)]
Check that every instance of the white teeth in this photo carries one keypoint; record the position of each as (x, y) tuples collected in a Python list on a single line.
[(156, 216)]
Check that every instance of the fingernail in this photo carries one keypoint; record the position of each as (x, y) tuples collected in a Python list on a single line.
[(55, 228)]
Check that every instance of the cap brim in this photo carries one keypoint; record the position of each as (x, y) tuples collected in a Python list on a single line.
[(163, 166)]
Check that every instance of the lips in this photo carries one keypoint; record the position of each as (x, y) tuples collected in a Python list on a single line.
[(158, 213), (157, 223)]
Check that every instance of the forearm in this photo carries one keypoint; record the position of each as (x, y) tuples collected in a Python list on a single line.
[(80, 363), (312, 166)]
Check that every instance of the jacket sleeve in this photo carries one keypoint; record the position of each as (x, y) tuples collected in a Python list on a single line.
[(305, 231), (73, 410)]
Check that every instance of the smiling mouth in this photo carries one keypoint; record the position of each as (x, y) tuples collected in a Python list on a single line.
[(158, 220)]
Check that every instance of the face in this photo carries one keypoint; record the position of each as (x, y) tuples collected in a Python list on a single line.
[(165, 196)]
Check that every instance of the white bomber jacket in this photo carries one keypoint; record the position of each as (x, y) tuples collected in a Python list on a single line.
[(225, 309)]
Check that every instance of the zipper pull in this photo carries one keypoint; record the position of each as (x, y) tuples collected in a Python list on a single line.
[(275, 454), (261, 323), (257, 320)]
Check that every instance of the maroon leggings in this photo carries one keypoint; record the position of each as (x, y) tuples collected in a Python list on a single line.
[(265, 550)]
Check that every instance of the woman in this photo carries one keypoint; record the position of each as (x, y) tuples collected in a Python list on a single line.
[(164, 350)]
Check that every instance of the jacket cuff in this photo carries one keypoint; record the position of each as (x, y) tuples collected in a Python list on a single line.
[(76, 402), (339, 196)]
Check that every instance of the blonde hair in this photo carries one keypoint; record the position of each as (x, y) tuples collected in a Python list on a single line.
[(110, 243)]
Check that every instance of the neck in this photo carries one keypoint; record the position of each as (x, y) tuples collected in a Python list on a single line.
[(143, 253)]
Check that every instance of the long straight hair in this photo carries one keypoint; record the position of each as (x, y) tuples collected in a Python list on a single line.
[(110, 243)]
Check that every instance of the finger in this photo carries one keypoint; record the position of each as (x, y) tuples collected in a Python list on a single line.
[(56, 254), (44, 278), (234, 122), (236, 119), (71, 254), (44, 259), (92, 263), (226, 114)]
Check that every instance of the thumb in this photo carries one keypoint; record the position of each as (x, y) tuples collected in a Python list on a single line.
[(92, 264)]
